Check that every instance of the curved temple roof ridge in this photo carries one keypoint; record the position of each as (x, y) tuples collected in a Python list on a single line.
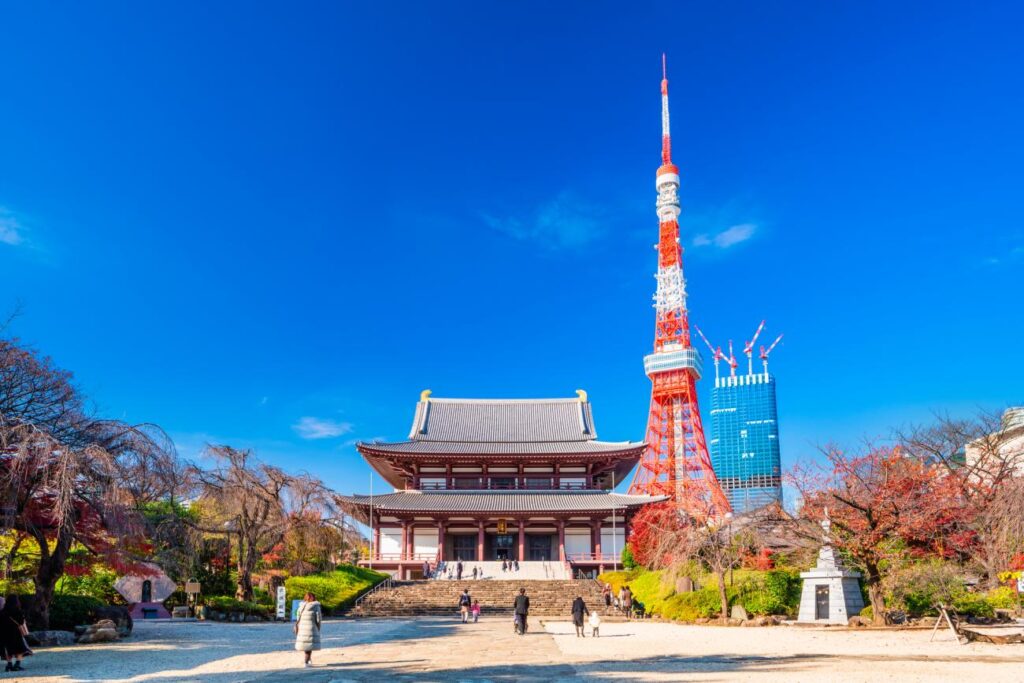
[(506, 420)]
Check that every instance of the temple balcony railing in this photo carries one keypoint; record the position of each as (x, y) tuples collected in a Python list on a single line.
[(607, 558), (477, 485), (402, 557)]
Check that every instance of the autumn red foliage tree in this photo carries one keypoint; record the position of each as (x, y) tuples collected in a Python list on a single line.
[(881, 504)]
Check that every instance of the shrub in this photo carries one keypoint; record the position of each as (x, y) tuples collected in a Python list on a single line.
[(1004, 597), (868, 613), (918, 586), (773, 592), (693, 605), (618, 579), (98, 582), (69, 611), (628, 561), (973, 605), (226, 603), (335, 590), (650, 588), (262, 597)]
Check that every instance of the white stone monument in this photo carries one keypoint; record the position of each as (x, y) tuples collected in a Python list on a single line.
[(831, 593)]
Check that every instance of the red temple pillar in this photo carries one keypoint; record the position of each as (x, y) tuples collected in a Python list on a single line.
[(480, 542), (596, 532), (375, 551), (405, 541), (440, 541), (522, 540), (561, 540)]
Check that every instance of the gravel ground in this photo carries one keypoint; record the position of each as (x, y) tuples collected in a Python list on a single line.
[(432, 649)]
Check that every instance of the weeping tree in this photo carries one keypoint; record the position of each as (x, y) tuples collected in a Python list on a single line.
[(258, 506), (69, 480)]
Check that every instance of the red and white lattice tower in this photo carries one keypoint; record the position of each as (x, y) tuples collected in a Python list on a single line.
[(676, 462)]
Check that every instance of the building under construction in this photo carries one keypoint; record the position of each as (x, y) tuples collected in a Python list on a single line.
[(744, 441)]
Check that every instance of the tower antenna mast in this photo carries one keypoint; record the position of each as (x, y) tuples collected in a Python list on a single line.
[(676, 463)]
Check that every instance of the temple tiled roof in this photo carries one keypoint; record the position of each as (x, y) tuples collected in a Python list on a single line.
[(415, 447), (506, 502), (507, 420), (501, 430), (502, 426)]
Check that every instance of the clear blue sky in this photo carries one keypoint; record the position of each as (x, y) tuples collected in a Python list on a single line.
[(262, 223)]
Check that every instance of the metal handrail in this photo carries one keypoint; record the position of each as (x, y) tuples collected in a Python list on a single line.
[(386, 584)]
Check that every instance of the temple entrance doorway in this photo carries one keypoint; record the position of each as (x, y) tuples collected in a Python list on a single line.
[(465, 548), (538, 548), (503, 546)]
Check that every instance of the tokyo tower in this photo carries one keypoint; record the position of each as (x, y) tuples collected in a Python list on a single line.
[(676, 463)]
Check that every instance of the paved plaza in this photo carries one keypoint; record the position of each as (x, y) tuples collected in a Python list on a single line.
[(432, 649)]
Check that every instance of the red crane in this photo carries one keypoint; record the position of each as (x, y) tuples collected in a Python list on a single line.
[(764, 353), (716, 352), (748, 349)]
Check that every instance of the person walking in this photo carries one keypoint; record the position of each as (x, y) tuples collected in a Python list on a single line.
[(12, 633), (515, 564), (627, 602), (504, 565), (579, 609), (607, 593), (426, 569), (458, 570), (595, 624), (474, 573), (465, 602), (521, 607), (308, 618), (476, 611)]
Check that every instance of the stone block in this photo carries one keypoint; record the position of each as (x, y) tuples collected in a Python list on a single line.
[(739, 612), (53, 638)]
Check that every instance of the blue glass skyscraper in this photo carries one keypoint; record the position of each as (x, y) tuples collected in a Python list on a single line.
[(744, 443)]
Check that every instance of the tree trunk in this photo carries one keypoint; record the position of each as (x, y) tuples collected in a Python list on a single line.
[(722, 595), (873, 580), (246, 565), (51, 568)]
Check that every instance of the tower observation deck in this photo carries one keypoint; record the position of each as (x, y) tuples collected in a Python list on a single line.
[(676, 462)]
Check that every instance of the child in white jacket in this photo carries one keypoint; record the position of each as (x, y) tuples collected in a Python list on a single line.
[(595, 623)]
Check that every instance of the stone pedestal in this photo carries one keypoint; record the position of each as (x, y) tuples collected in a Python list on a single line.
[(831, 593)]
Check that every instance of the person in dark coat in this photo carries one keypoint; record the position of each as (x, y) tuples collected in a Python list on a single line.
[(579, 610), (458, 570), (12, 643), (607, 593), (522, 610), (465, 602)]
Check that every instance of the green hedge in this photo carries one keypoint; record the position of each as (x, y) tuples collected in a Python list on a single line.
[(760, 593), (226, 603), (335, 590), (69, 611)]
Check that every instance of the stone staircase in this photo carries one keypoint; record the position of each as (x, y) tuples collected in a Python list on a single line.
[(491, 570), (441, 598)]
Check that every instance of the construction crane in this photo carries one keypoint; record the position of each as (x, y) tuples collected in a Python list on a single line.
[(731, 360), (716, 353), (748, 349), (764, 353)]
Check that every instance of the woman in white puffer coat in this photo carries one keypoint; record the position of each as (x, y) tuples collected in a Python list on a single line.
[(307, 627)]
